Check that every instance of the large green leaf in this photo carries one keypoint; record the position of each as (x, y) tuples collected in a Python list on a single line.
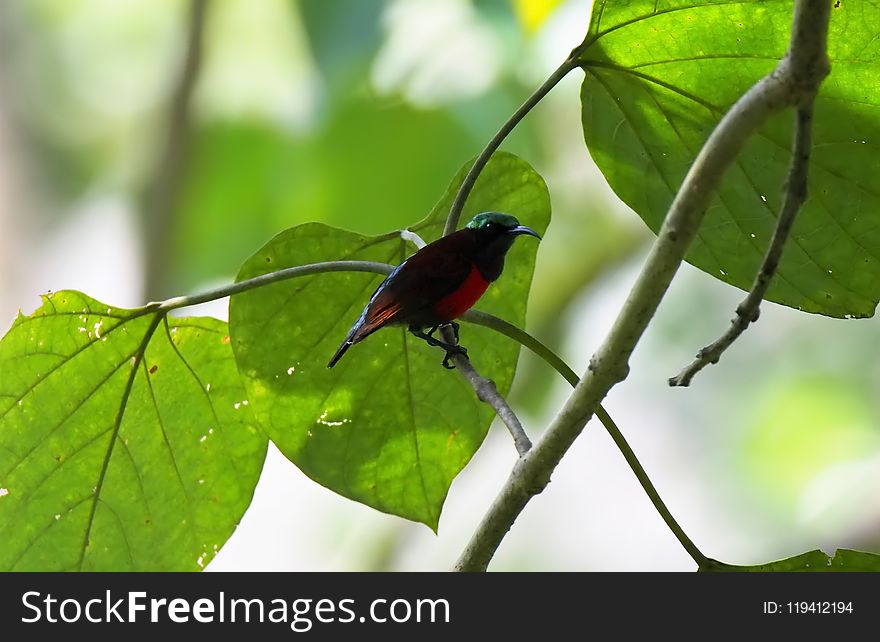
[(660, 74), (126, 442), (388, 426), (813, 561)]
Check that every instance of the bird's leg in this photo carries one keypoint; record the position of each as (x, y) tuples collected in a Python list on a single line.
[(433, 341), (451, 349)]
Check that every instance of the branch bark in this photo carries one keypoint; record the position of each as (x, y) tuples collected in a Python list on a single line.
[(748, 310), (799, 73)]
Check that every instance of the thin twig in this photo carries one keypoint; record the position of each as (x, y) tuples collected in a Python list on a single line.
[(480, 163), (488, 393), (163, 192), (648, 486), (795, 195), (799, 73)]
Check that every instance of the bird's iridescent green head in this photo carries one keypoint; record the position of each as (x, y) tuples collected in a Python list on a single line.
[(499, 223)]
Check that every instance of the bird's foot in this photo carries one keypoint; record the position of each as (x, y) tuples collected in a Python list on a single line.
[(451, 352), (452, 349)]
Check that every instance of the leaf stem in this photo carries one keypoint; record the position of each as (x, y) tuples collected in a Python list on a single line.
[(268, 279), (470, 178), (412, 237)]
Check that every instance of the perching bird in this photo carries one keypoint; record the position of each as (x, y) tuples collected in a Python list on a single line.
[(439, 283)]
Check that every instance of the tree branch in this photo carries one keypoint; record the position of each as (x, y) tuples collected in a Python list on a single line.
[(474, 172), (795, 195), (799, 73), (161, 195)]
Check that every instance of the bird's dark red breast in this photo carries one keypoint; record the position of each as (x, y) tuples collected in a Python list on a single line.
[(460, 300)]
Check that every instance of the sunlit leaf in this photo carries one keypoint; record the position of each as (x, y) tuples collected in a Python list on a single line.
[(659, 76), (126, 443), (388, 426)]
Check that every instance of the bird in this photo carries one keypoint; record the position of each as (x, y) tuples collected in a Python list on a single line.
[(439, 283)]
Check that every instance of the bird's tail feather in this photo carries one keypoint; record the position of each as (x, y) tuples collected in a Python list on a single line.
[(359, 332), (341, 351)]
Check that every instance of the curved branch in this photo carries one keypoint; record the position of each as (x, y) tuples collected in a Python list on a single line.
[(484, 388), (799, 73), (272, 277), (523, 338)]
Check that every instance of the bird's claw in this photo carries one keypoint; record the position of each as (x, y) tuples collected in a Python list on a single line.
[(452, 352)]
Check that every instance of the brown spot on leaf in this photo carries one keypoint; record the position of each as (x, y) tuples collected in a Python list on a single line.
[(153, 369), (225, 340)]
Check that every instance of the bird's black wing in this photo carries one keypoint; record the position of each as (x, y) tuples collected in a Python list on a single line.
[(432, 273)]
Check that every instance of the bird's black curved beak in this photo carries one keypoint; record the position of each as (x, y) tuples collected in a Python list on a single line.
[(522, 229)]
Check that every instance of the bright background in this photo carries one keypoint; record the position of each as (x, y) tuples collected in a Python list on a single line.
[(357, 113)]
